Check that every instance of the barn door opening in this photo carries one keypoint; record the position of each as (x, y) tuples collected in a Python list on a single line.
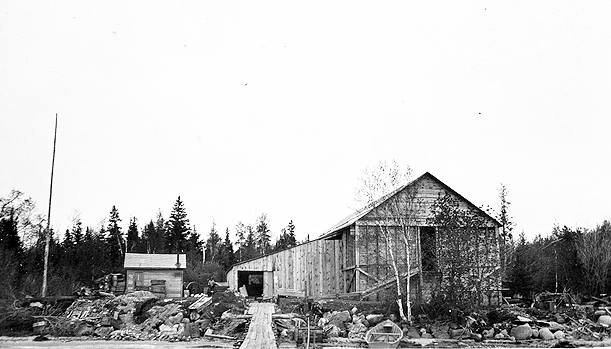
[(253, 280), (428, 246)]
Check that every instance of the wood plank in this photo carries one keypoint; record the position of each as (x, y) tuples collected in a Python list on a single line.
[(260, 333)]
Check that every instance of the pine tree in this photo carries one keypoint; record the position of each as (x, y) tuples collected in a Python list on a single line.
[(194, 248), (213, 245), (133, 241), (227, 255), (77, 232), (178, 228), (9, 237), (263, 236), (249, 250), (291, 232), (68, 242), (158, 241), (148, 236), (287, 238), (115, 245)]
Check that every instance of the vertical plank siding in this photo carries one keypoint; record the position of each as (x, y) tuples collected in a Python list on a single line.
[(317, 263)]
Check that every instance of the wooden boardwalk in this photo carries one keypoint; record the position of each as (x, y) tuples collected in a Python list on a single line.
[(260, 334)]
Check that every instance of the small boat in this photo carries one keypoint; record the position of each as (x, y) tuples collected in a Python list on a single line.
[(386, 334)]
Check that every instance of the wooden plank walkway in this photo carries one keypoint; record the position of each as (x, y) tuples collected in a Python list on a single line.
[(260, 334)]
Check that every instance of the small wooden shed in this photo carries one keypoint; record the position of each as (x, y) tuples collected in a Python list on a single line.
[(159, 273)]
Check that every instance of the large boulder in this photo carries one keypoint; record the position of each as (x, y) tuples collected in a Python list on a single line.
[(521, 332), (192, 330), (460, 333), (356, 330), (341, 316), (559, 334), (338, 319), (605, 320), (103, 331), (332, 331), (554, 326), (176, 319), (413, 332), (477, 337), (84, 330), (374, 319), (546, 334)]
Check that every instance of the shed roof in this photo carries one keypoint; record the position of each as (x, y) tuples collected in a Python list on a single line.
[(154, 261), (365, 210)]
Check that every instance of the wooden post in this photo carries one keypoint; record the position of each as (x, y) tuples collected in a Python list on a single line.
[(419, 256), (48, 234), (357, 258)]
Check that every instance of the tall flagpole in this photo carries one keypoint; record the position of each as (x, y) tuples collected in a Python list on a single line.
[(48, 234)]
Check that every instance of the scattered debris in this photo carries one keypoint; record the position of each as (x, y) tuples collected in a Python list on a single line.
[(551, 320)]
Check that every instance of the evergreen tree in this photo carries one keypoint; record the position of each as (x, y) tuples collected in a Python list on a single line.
[(158, 241), (77, 232), (10, 254), (9, 237), (287, 238), (240, 232), (213, 245), (227, 255), (177, 229), (133, 241), (115, 245), (249, 250), (194, 248), (291, 231), (263, 235), (148, 233), (68, 242)]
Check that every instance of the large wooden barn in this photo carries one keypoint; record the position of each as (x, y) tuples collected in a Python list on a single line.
[(355, 257)]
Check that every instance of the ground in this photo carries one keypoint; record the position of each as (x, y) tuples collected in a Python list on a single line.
[(141, 320), (27, 343)]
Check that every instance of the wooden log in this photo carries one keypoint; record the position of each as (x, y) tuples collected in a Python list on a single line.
[(218, 336)]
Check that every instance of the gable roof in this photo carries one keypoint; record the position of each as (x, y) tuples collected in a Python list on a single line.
[(370, 207), (154, 261)]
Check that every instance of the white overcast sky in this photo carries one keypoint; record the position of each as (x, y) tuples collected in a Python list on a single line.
[(277, 107)]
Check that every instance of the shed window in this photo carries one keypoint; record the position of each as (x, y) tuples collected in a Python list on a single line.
[(138, 278)]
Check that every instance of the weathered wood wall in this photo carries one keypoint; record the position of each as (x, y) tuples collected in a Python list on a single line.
[(373, 260), (173, 280), (316, 265)]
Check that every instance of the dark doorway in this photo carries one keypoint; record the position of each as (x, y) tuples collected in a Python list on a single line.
[(253, 280), (428, 247)]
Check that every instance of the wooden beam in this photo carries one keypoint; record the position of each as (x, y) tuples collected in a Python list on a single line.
[(367, 274), (386, 283), (351, 279)]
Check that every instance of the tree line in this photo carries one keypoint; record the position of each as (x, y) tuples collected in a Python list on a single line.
[(85, 254), (576, 260)]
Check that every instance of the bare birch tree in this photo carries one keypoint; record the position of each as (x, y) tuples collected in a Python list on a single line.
[(594, 252), (394, 211)]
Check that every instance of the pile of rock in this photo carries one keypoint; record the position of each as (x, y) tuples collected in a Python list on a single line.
[(350, 324), (515, 325), (140, 315)]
